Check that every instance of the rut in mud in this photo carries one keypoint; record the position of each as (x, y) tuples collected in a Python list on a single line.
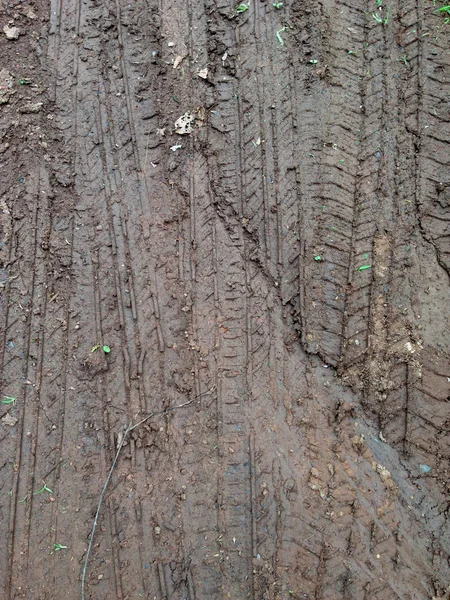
[(285, 266)]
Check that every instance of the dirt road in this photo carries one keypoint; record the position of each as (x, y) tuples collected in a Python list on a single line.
[(282, 262)]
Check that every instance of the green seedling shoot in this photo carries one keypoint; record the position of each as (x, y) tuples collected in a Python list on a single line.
[(43, 489), (379, 19), (8, 400), (57, 547), (277, 5), (106, 349), (444, 9), (95, 348), (241, 8), (318, 258), (364, 267), (279, 32)]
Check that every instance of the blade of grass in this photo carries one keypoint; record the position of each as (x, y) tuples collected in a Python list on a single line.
[(8, 400), (279, 32), (43, 489)]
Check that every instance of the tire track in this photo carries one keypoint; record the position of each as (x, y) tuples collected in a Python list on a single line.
[(335, 243), (17, 551), (395, 357), (89, 162), (42, 458)]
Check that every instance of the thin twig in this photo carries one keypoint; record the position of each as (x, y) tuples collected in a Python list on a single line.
[(100, 500)]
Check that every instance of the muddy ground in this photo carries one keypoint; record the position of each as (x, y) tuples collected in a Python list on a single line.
[(283, 264)]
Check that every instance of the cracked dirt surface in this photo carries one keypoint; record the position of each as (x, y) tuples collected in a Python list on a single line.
[(283, 262)]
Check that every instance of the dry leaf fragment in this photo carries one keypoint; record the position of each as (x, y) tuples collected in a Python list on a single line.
[(177, 61), (184, 124), (9, 420)]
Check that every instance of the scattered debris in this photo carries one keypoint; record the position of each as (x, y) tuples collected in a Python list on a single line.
[(176, 147), (94, 348), (184, 124), (28, 12), (203, 73), (12, 33), (385, 475), (200, 114), (31, 107), (9, 420), (382, 438), (171, 44), (425, 468), (315, 483), (161, 132), (409, 348), (6, 84), (224, 57), (25, 81), (359, 443), (177, 61)]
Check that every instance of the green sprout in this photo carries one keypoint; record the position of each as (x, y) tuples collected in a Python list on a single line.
[(277, 5), (364, 267), (279, 32), (95, 348), (241, 8), (379, 19), (106, 349), (8, 400), (43, 489), (318, 258), (57, 547)]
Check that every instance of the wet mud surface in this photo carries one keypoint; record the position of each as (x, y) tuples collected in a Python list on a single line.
[(280, 258)]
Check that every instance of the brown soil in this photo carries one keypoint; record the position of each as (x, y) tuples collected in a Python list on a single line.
[(313, 461)]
